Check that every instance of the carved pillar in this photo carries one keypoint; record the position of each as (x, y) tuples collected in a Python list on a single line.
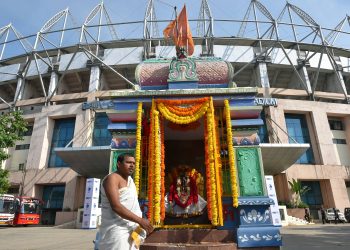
[(255, 228)]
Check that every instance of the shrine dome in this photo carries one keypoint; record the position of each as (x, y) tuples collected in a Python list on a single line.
[(204, 72)]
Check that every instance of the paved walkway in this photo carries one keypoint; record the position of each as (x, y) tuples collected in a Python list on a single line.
[(45, 238), (321, 237), (318, 236)]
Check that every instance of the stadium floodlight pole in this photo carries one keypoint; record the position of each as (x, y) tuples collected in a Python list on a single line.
[(109, 67)]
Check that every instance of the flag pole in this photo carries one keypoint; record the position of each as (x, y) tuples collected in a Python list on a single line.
[(176, 25)]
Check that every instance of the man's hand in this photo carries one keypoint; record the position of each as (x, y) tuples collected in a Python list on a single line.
[(145, 224)]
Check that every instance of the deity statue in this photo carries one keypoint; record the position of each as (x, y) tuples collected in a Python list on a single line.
[(183, 199)]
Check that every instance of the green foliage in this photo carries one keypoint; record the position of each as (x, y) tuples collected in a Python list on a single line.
[(4, 182), (303, 205), (12, 127), (298, 190)]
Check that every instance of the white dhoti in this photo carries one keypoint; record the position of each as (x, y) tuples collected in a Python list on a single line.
[(115, 232)]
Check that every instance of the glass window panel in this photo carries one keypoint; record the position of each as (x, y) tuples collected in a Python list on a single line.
[(298, 130), (62, 135), (101, 135), (53, 196), (314, 196)]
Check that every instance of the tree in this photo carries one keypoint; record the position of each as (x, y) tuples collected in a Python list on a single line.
[(12, 127), (298, 190)]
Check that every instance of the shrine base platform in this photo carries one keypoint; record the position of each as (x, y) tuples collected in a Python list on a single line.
[(195, 239)]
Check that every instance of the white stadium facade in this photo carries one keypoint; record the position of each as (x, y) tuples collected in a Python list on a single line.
[(300, 71)]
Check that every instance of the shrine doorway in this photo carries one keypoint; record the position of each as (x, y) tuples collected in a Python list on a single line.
[(185, 154)]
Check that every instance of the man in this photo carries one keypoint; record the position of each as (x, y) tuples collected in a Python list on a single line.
[(323, 215), (336, 215), (307, 215), (121, 213)]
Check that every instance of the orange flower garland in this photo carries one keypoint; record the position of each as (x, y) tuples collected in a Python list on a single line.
[(180, 119), (150, 166), (183, 112), (207, 169), (162, 173)]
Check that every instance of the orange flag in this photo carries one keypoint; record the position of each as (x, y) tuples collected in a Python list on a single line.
[(180, 33)]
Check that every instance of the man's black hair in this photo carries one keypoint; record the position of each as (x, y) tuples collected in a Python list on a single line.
[(122, 156)]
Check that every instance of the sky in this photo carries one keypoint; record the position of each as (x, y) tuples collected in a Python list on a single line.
[(28, 16)]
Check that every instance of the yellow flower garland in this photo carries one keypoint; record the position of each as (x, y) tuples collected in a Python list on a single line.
[(185, 116), (151, 166), (138, 147), (182, 119), (231, 155), (217, 166), (157, 168), (214, 211)]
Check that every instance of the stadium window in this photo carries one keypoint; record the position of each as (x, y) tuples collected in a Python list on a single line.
[(62, 134), (101, 135), (298, 130), (339, 141), (262, 132), (29, 131), (53, 196), (336, 124), (21, 166), (22, 147)]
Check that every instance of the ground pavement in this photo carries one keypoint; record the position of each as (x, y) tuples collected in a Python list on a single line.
[(318, 236)]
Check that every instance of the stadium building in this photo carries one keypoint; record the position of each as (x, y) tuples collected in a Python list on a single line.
[(66, 77)]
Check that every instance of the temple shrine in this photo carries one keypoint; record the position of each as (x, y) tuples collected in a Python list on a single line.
[(199, 171)]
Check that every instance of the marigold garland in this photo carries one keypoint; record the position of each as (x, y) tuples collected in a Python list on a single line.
[(162, 167), (150, 166), (231, 155), (184, 102), (214, 210), (217, 167), (207, 168), (183, 112), (138, 147), (182, 119), (157, 168)]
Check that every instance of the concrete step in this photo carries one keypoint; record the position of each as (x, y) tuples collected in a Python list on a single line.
[(199, 246), (194, 239), (191, 246), (192, 236)]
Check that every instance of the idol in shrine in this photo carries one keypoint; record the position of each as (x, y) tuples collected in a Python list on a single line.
[(183, 198)]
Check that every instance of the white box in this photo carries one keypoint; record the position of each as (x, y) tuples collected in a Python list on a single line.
[(274, 209), (90, 205), (92, 189), (89, 221)]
